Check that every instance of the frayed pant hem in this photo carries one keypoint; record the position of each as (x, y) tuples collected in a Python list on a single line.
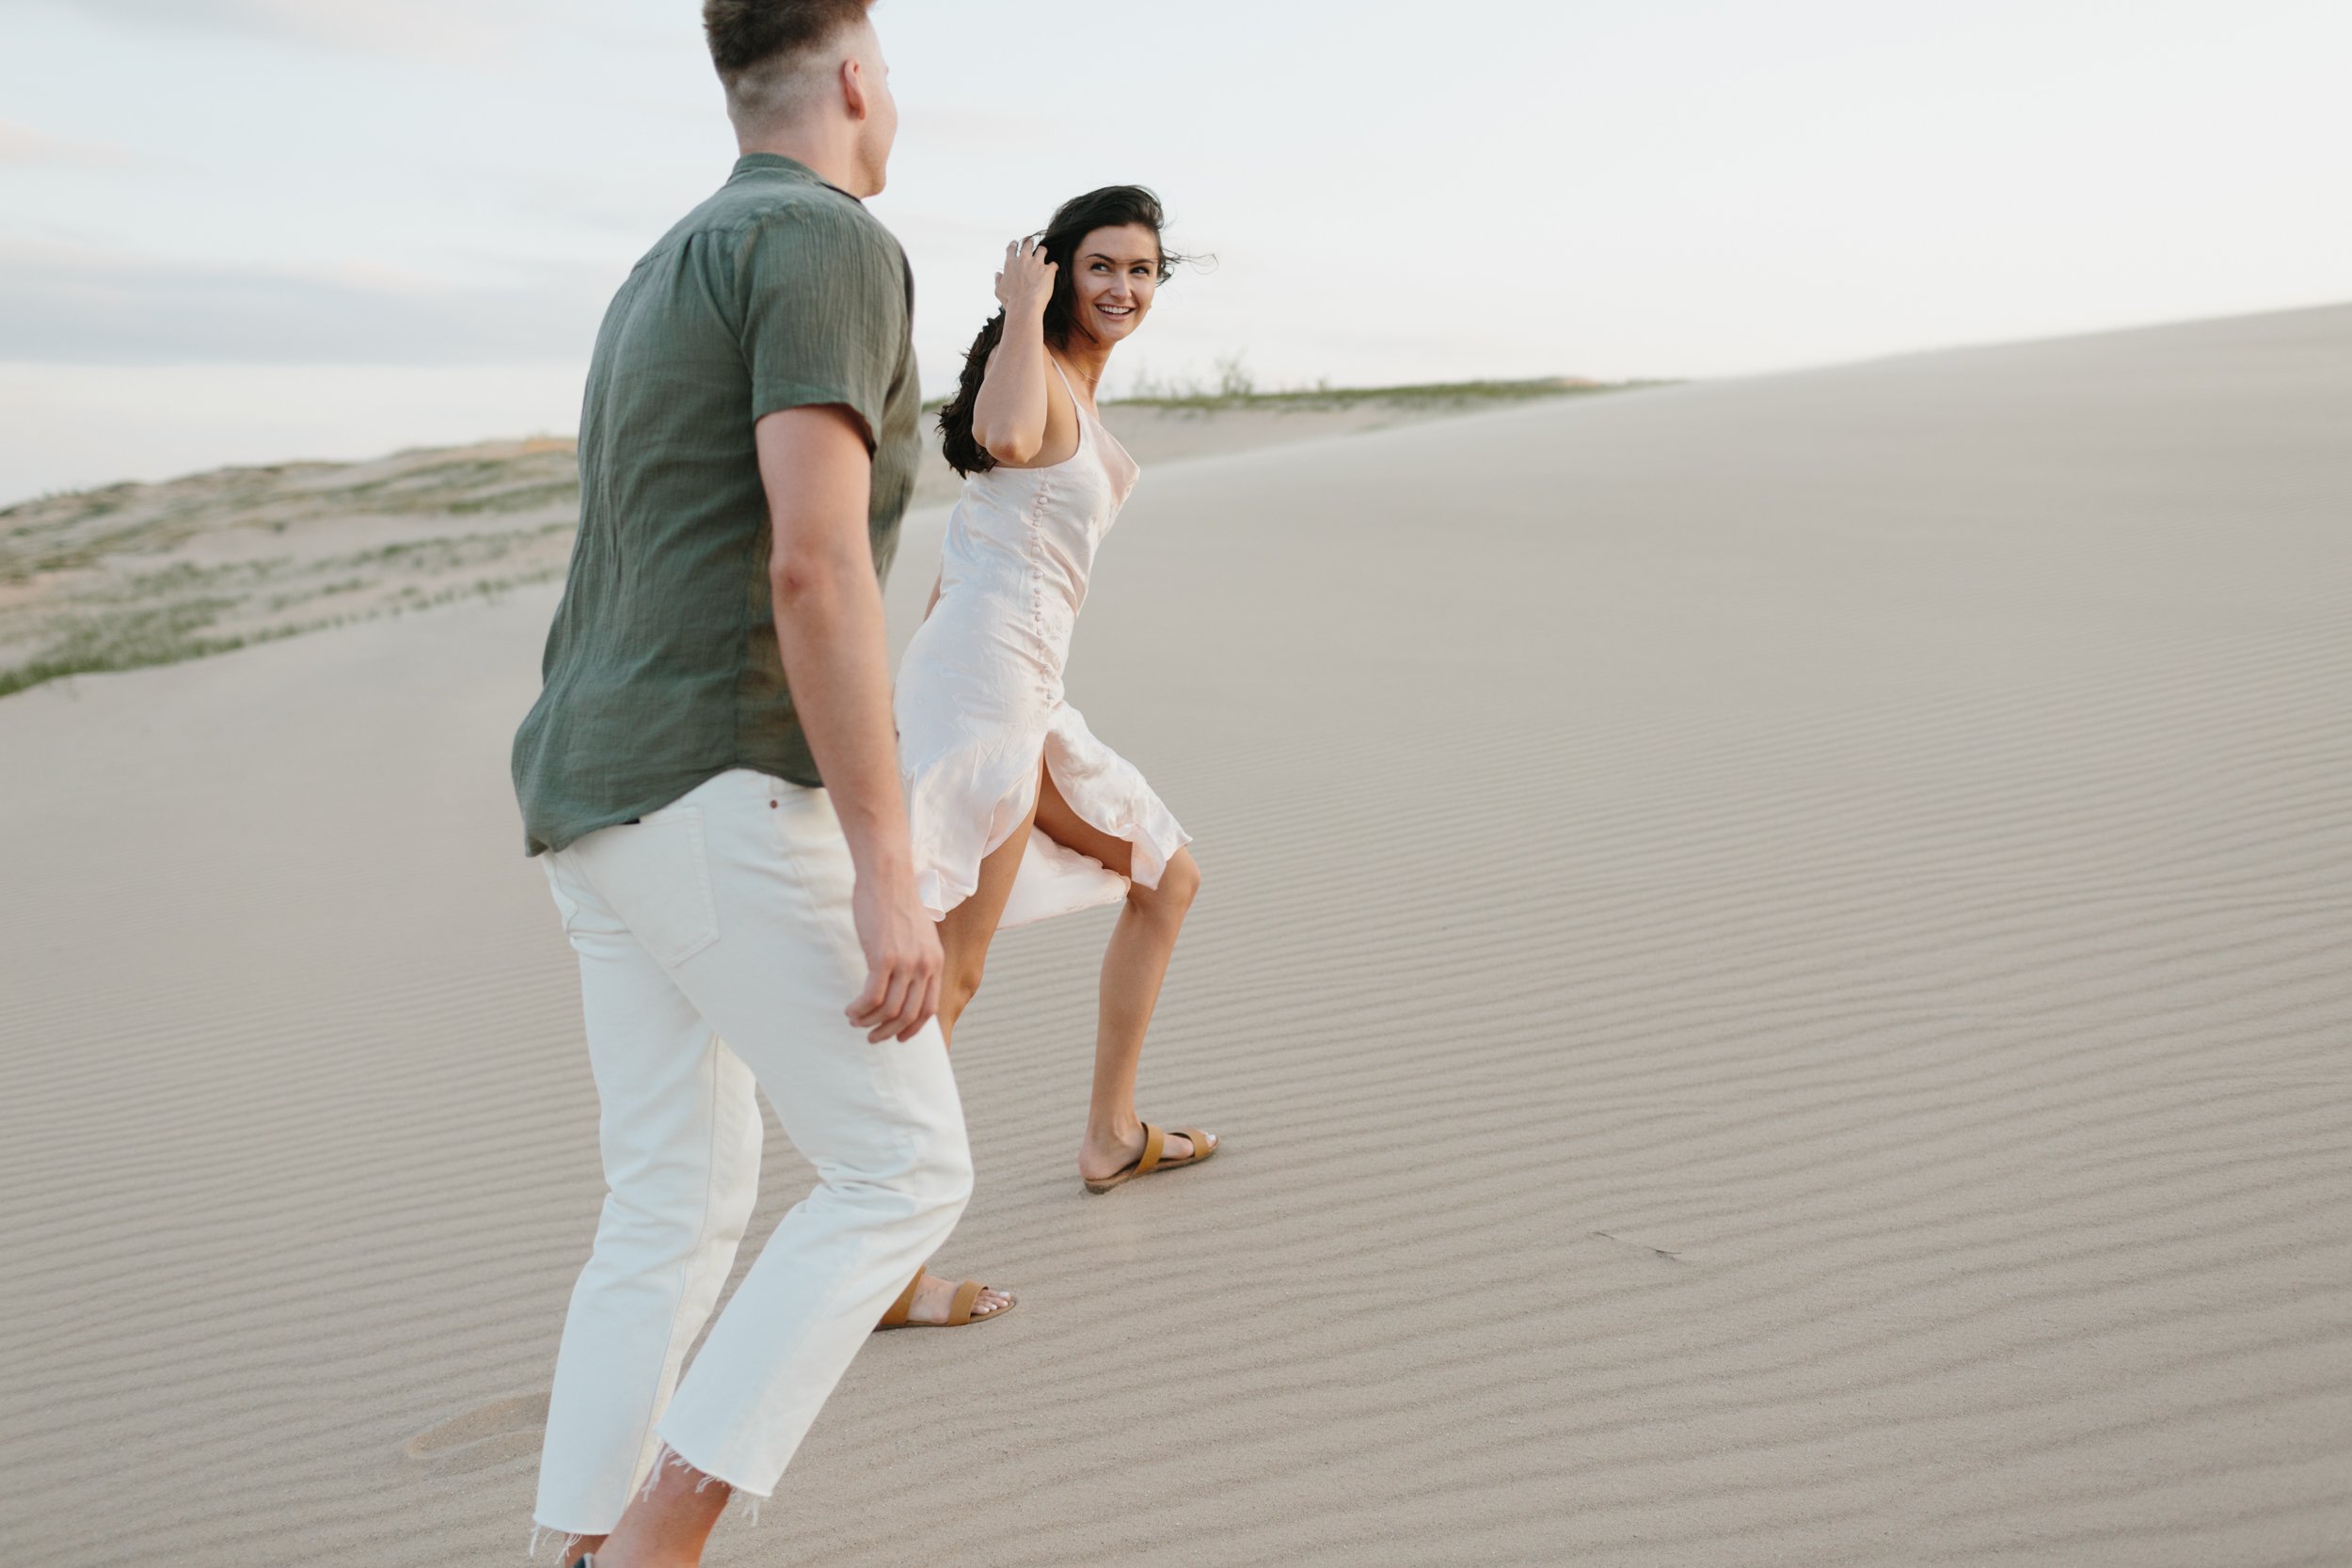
[(571, 1538), (672, 1457)]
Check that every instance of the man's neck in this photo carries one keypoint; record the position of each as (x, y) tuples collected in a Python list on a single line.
[(828, 156)]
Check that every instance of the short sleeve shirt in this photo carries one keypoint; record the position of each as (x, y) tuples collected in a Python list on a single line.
[(662, 668)]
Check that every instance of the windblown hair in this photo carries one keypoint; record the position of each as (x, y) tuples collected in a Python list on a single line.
[(762, 49), (1112, 207)]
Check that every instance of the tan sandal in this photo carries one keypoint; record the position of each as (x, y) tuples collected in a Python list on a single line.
[(1155, 1139), (959, 1310)]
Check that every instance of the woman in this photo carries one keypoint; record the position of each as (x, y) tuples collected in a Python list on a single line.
[(1018, 812)]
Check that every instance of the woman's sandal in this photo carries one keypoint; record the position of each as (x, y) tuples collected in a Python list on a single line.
[(1154, 1139), (959, 1310)]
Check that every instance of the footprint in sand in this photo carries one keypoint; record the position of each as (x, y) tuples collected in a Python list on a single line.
[(488, 1434)]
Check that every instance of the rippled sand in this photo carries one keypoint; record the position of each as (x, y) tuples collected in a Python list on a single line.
[(1775, 966)]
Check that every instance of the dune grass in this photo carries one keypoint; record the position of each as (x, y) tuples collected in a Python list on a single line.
[(1425, 395), (1236, 390), (166, 615), (138, 637), (130, 638)]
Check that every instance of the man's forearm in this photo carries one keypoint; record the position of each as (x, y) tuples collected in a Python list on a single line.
[(837, 659)]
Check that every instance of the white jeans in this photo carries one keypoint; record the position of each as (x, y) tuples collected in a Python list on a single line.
[(717, 953)]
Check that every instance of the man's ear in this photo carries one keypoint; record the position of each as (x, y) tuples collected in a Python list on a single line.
[(853, 87)]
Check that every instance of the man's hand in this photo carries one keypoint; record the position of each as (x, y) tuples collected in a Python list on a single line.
[(902, 959)]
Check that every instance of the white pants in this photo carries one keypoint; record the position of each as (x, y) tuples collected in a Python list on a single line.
[(717, 954)]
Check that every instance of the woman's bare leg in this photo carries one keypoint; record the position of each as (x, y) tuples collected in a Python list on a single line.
[(1133, 968), (971, 925), (964, 939)]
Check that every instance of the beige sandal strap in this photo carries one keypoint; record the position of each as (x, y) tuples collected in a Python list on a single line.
[(1154, 1139), (1199, 1143), (900, 1309), (959, 1310)]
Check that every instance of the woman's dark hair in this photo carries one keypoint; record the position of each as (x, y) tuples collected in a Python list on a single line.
[(1112, 207)]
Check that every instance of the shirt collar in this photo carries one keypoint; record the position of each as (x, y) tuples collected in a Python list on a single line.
[(779, 164)]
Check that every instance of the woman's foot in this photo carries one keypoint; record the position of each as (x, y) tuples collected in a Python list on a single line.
[(935, 1301), (1104, 1155)]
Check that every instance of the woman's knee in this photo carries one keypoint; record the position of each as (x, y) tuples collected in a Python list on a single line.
[(1180, 884)]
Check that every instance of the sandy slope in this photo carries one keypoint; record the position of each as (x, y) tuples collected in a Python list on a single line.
[(1774, 967)]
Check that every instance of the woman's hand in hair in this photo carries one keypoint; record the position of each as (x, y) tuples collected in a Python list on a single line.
[(1028, 281)]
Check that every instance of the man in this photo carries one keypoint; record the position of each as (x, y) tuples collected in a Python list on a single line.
[(747, 445)]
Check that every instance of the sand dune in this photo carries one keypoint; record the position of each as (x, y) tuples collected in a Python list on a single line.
[(1773, 965), (131, 576)]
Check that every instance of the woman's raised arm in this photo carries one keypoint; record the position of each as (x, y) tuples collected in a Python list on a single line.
[(1008, 414)]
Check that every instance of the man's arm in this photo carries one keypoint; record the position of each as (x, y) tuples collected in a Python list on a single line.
[(814, 464)]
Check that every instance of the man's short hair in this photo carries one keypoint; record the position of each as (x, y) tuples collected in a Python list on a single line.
[(770, 54)]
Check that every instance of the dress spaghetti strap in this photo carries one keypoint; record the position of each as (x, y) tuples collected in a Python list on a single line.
[(1076, 407)]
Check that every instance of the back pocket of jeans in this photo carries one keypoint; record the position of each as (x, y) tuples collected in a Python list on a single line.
[(671, 911)]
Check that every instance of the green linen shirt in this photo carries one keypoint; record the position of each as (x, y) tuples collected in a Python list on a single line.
[(662, 669)]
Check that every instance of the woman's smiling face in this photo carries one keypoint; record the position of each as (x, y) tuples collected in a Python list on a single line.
[(1117, 272)]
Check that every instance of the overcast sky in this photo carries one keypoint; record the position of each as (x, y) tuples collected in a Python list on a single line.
[(241, 230)]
